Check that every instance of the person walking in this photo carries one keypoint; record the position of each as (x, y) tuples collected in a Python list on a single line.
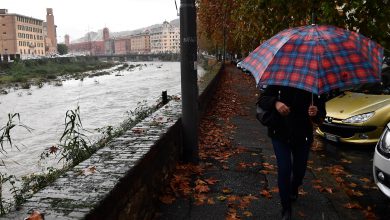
[(291, 132)]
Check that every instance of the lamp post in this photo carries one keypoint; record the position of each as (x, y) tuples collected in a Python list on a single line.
[(189, 79), (314, 12)]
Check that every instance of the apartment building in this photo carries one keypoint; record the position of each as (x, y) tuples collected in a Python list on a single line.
[(122, 45), (165, 39), (21, 35), (92, 48), (140, 43)]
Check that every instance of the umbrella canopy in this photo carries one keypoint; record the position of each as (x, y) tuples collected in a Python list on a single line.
[(316, 58)]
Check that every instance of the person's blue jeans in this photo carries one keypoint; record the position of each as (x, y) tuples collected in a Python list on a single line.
[(292, 163)]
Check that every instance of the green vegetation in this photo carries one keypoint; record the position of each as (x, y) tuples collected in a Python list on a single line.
[(5, 131), (6, 138), (74, 147), (62, 49), (36, 71), (74, 143)]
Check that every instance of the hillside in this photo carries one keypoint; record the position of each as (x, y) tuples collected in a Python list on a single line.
[(97, 36)]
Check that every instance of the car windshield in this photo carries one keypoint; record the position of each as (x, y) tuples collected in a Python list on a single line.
[(381, 88), (372, 88)]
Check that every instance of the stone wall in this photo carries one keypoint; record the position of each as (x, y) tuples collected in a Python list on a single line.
[(122, 180)]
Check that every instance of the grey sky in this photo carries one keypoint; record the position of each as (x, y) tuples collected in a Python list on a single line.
[(76, 17)]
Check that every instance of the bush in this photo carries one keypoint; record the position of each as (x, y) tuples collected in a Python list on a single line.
[(51, 76), (18, 79), (26, 85)]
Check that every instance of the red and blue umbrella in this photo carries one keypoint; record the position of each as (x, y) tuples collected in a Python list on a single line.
[(316, 58)]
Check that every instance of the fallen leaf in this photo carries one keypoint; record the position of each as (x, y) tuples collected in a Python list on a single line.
[(210, 201), (264, 172), (266, 194), (200, 199), (369, 215), (221, 198), (366, 180), (211, 181), (301, 214), (138, 130), (346, 161), (353, 185), (336, 170), (302, 192), (352, 206), (339, 179), (352, 192), (329, 190), (232, 198), (226, 190), (232, 214), (167, 199), (35, 215), (53, 149), (89, 170), (247, 214), (202, 188)]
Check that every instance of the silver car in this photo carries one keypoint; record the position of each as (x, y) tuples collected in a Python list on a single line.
[(381, 166)]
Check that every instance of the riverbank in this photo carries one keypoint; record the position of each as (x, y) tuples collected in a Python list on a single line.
[(25, 73), (151, 147), (105, 102)]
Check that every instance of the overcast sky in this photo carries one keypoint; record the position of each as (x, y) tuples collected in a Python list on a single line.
[(77, 17)]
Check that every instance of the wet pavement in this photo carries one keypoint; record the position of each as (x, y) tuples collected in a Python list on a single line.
[(236, 177), (357, 162)]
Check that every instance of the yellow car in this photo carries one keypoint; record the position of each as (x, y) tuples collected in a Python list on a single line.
[(358, 116)]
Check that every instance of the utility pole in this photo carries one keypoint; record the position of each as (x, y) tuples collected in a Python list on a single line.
[(189, 80)]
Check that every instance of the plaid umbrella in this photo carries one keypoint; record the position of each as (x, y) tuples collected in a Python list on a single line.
[(316, 58)]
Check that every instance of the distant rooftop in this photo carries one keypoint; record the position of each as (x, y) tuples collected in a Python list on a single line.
[(4, 11)]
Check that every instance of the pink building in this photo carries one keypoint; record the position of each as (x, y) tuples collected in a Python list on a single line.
[(89, 48), (122, 45)]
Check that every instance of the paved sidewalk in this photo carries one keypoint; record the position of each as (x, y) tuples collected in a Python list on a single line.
[(244, 181)]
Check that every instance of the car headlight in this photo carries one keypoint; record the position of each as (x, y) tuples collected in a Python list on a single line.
[(384, 142), (359, 118)]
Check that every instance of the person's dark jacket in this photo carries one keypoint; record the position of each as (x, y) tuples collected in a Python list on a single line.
[(297, 126)]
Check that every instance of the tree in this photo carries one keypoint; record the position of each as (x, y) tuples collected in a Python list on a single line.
[(62, 49), (250, 22)]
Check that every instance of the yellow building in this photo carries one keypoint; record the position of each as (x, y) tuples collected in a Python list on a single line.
[(165, 39), (140, 43), (21, 35)]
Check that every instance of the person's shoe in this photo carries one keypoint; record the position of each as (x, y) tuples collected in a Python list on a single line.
[(286, 214)]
